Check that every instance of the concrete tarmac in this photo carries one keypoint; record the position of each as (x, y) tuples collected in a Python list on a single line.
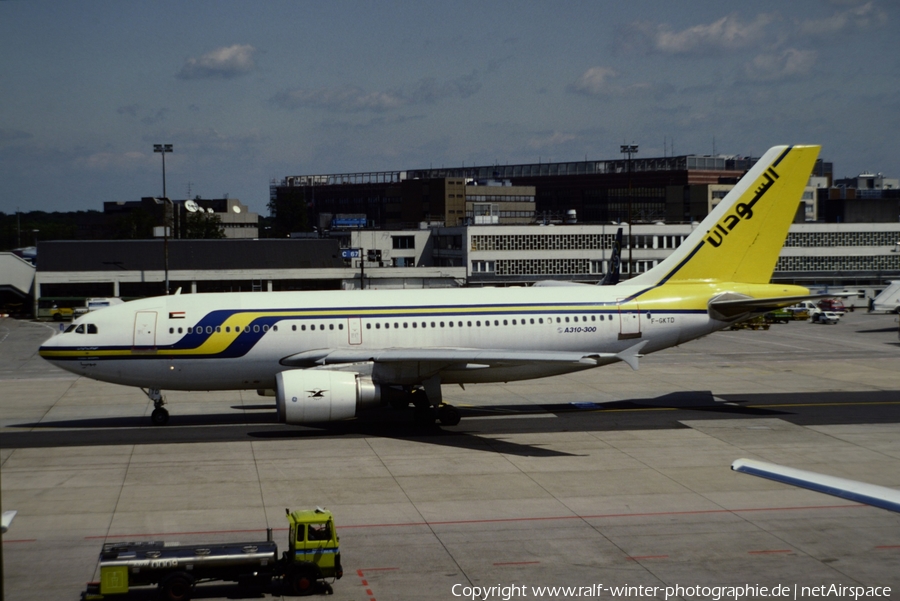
[(606, 478)]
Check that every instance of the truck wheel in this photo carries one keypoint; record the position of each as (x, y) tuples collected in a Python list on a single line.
[(302, 581), (176, 587)]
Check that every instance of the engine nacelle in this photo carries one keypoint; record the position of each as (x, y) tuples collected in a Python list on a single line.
[(319, 395)]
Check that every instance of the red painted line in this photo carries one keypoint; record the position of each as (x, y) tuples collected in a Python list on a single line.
[(888, 547), (642, 557), (601, 516), (769, 551), (515, 563), (21, 540), (364, 582)]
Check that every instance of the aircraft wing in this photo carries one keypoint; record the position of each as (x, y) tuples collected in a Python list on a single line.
[(472, 357), (852, 490), (732, 307)]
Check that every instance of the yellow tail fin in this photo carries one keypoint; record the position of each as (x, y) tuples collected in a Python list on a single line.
[(741, 239)]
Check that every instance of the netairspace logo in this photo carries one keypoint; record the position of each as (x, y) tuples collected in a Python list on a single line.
[(714, 593)]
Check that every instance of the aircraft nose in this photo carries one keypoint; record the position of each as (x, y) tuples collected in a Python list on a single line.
[(48, 345)]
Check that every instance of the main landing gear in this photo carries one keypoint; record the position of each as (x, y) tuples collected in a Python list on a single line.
[(428, 406), (159, 417)]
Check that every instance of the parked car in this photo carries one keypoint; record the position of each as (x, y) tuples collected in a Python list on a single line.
[(826, 317), (832, 304)]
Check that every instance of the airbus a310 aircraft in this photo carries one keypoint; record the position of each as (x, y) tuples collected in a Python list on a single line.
[(326, 355)]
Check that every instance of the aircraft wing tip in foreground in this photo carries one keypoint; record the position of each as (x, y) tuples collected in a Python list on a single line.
[(852, 490)]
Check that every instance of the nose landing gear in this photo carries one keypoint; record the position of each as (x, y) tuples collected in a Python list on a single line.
[(160, 416)]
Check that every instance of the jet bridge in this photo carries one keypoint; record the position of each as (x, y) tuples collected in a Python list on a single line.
[(16, 278)]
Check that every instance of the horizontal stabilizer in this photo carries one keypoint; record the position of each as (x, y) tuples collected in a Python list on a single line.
[(852, 490), (632, 354), (731, 307)]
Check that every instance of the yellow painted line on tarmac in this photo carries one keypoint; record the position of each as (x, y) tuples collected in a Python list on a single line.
[(640, 409), (738, 404), (844, 404)]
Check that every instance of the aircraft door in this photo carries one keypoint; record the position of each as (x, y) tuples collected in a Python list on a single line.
[(629, 320), (145, 329), (354, 330)]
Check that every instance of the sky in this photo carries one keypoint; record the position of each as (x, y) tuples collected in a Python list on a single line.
[(247, 92)]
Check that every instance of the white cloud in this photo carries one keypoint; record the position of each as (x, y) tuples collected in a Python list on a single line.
[(856, 18), (209, 139), (551, 140), (344, 99), (728, 33), (222, 63), (603, 82), (790, 64), (353, 99), (595, 81)]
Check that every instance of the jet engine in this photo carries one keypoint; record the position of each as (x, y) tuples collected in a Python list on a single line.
[(318, 395)]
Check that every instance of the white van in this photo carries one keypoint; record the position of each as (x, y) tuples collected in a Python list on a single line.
[(95, 304)]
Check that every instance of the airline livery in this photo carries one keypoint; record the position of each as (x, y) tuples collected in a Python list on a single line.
[(326, 355)]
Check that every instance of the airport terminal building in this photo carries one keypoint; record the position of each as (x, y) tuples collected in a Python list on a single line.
[(493, 225), (646, 190), (857, 257)]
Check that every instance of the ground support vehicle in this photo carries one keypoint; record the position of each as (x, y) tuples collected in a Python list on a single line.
[(826, 317), (756, 323), (832, 304), (779, 316), (312, 556)]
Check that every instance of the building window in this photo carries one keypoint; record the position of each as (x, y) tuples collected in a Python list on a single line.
[(483, 266), (402, 242)]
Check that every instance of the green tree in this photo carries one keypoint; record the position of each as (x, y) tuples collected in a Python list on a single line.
[(201, 225), (134, 225)]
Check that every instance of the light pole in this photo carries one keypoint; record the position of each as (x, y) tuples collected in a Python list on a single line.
[(629, 149), (164, 148)]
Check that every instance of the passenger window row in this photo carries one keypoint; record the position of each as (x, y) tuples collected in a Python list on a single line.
[(386, 325), (228, 329), (487, 322)]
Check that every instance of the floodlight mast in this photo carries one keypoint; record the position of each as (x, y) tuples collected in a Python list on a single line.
[(163, 149), (629, 149)]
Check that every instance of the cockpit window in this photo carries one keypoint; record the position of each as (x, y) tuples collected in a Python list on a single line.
[(69, 329), (80, 329), (91, 328)]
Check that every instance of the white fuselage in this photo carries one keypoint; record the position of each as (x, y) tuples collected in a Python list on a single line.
[(238, 340)]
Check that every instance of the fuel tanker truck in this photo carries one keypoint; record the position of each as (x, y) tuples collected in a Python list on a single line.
[(312, 556)]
